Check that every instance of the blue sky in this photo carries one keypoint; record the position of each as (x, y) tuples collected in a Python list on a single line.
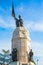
[(31, 12)]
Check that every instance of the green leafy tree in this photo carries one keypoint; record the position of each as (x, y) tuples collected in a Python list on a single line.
[(6, 52)]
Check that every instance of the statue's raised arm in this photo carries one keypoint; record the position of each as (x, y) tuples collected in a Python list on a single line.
[(19, 22)]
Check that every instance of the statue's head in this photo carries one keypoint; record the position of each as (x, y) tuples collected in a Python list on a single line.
[(19, 16), (31, 49)]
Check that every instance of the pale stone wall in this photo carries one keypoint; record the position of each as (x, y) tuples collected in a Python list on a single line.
[(21, 41)]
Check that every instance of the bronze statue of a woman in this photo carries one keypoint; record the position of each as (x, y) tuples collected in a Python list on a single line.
[(19, 21)]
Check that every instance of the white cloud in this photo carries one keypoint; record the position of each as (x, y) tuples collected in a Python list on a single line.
[(32, 26), (8, 23), (37, 48), (5, 44), (35, 26), (20, 9)]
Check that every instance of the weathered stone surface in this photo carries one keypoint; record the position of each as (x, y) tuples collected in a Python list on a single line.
[(21, 41)]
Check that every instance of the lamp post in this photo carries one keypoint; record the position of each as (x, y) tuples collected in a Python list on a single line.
[(37, 61)]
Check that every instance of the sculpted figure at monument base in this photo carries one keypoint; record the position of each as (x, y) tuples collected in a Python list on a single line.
[(14, 54)]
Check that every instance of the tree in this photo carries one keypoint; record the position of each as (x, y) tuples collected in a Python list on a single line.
[(6, 52)]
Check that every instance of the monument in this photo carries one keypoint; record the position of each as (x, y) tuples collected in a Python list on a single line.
[(21, 52)]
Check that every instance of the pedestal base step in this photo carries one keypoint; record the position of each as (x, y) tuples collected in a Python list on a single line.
[(18, 63)]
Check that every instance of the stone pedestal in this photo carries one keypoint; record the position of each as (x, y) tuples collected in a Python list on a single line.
[(21, 41)]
